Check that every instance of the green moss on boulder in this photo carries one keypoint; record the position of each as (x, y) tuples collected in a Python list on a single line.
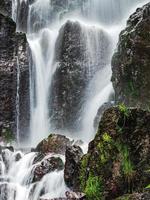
[(118, 161)]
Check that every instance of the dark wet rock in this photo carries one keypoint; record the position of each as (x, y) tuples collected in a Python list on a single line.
[(135, 196), (46, 166), (73, 156), (76, 67), (6, 7), (54, 144), (13, 58), (118, 159), (101, 111), (18, 156), (131, 61)]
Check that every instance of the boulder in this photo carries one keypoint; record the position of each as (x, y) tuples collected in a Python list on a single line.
[(76, 67), (14, 71), (73, 155), (131, 61), (54, 144), (46, 166), (118, 159), (135, 196)]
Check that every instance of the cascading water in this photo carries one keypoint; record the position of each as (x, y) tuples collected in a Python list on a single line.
[(18, 101), (43, 68), (48, 99), (45, 22), (17, 172)]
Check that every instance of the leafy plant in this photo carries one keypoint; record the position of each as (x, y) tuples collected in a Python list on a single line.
[(123, 109), (106, 137), (94, 188), (147, 187), (127, 166)]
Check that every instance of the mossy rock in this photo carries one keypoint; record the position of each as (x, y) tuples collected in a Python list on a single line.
[(119, 156), (130, 63)]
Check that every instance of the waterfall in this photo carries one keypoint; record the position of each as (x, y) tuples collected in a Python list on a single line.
[(16, 178), (71, 43), (51, 100), (18, 101), (42, 47)]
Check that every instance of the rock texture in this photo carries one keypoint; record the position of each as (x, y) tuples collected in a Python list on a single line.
[(6, 7), (46, 166), (73, 156), (54, 144), (79, 56), (131, 62), (135, 196), (13, 60), (118, 159)]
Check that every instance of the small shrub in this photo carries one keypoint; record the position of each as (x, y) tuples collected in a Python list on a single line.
[(94, 188), (107, 138), (123, 109)]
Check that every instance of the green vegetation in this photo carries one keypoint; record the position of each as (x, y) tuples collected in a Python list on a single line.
[(127, 166), (8, 136), (106, 137), (123, 109), (94, 188), (83, 172), (147, 187)]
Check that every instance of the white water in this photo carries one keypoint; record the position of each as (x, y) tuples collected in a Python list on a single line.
[(17, 179), (95, 17), (18, 101), (42, 71), (44, 21)]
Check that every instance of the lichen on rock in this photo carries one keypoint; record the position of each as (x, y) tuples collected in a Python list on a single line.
[(119, 156)]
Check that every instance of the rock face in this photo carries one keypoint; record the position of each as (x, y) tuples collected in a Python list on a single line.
[(118, 159), (6, 7), (54, 144), (73, 156), (13, 61), (77, 65), (136, 196), (46, 166), (131, 62)]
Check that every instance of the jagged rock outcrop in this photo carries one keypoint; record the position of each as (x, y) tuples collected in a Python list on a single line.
[(118, 159), (46, 166), (79, 57), (14, 60), (131, 62), (73, 155), (54, 144)]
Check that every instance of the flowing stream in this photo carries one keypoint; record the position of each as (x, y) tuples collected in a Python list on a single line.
[(98, 23)]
